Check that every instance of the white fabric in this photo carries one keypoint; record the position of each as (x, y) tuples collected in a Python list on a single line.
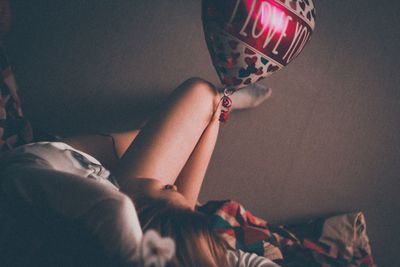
[(57, 156), (239, 258), (50, 178)]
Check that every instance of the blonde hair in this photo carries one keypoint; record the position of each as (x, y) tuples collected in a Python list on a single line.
[(197, 244)]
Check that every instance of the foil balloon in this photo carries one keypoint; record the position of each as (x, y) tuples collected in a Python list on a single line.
[(249, 40)]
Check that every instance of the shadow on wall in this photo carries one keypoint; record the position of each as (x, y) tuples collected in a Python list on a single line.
[(103, 65), (94, 114)]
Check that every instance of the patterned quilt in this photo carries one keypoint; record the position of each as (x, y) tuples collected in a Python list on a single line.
[(14, 128), (337, 241)]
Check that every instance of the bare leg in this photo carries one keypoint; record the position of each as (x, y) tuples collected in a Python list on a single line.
[(192, 175), (165, 144)]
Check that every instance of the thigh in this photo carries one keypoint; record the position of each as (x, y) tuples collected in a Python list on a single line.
[(123, 140)]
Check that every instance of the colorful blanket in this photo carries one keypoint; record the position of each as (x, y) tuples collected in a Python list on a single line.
[(337, 241), (14, 128)]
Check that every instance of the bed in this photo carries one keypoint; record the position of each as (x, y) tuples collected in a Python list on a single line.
[(39, 229)]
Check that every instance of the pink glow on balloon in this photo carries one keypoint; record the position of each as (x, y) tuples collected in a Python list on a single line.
[(276, 20), (269, 15)]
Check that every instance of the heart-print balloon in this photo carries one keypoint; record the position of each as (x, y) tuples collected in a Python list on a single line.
[(249, 40)]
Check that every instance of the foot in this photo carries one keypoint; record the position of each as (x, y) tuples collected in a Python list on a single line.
[(250, 96)]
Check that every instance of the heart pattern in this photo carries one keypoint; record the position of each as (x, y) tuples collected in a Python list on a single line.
[(303, 7), (272, 68), (264, 60), (249, 52), (243, 62)]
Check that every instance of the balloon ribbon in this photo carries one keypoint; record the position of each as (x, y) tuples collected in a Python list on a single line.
[(226, 105)]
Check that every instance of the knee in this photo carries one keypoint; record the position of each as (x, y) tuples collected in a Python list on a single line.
[(199, 97), (202, 89), (196, 81)]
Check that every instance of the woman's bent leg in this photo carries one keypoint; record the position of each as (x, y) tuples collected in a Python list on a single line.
[(164, 145)]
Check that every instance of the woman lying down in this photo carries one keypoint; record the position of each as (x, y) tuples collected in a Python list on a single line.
[(152, 176)]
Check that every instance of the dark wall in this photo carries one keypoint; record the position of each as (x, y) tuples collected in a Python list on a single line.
[(327, 142)]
